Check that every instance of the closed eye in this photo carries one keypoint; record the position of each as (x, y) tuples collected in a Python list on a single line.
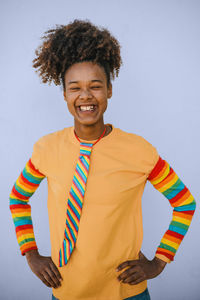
[(78, 88), (74, 88)]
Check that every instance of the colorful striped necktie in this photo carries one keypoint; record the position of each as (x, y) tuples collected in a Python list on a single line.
[(75, 201)]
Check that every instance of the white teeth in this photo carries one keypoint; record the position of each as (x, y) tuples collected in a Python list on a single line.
[(91, 107)]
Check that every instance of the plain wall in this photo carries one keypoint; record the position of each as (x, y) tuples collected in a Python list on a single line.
[(156, 96)]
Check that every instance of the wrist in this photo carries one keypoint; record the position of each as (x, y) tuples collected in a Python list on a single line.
[(31, 253), (160, 264)]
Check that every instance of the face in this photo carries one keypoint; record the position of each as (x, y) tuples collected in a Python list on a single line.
[(85, 85)]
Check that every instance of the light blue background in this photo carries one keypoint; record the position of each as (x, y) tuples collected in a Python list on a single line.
[(156, 95)]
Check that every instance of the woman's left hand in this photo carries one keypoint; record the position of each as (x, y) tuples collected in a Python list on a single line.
[(140, 269)]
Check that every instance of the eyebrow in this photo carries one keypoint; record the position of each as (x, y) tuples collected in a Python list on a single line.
[(94, 80)]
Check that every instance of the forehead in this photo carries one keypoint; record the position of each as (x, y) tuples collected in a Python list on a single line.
[(85, 71)]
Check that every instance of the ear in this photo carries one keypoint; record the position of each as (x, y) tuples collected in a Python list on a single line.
[(64, 95), (109, 94)]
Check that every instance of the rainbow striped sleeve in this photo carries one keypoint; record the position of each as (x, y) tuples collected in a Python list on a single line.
[(24, 187), (166, 181)]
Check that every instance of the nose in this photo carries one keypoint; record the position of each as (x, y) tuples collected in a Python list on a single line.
[(85, 94)]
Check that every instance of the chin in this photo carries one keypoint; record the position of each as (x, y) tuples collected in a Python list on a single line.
[(87, 122)]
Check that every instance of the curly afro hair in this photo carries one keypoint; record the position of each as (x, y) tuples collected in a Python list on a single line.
[(76, 42)]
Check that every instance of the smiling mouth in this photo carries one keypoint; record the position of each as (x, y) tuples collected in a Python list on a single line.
[(90, 111)]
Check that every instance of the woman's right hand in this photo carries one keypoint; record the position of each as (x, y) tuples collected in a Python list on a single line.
[(44, 268)]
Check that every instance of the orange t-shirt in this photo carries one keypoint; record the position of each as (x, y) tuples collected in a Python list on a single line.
[(110, 230)]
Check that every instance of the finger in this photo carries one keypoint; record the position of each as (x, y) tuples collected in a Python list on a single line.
[(48, 278), (56, 271), (131, 278), (53, 277), (127, 263), (45, 281), (128, 272), (140, 279)]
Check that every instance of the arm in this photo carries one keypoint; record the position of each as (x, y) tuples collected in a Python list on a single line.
[(165, 180), (24, 187)]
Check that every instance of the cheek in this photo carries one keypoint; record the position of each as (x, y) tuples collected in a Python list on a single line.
[(70, 103), (105, 106), (70, 107), (101, 97)]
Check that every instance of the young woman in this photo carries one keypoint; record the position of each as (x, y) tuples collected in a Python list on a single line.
[(96, 177)]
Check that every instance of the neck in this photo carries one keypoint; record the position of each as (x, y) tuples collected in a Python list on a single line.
[(91, 132)]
